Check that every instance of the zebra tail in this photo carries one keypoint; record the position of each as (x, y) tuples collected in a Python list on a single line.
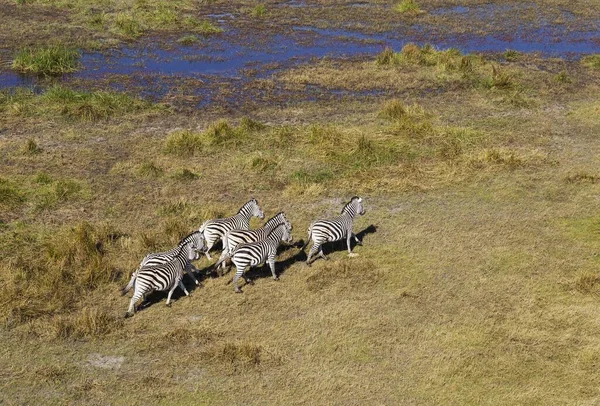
[(203, 227), (307, 240), (220, 261), (131, 283)]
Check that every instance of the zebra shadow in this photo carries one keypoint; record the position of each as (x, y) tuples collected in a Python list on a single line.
[(341, 245)]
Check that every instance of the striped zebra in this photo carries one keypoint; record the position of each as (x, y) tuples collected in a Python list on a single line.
[(213, 230), (234, 238), (196, 239), (322, 231), (256, 253), (166, 276)]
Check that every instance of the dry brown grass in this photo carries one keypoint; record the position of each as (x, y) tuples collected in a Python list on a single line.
[(479, 284)]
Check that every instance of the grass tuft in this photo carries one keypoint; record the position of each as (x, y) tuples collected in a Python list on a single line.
[(591, 61), (185, 175), (582, 177), (205, 27), (188, 39), (30, 148), (49, 60), (588, 283), (127, 25), (259, 11), (188, 143), (511, 55), (149, 168), (408, 7), (562, 77), (10, 195)]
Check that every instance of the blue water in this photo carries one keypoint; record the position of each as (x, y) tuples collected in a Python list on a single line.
[(236, 58)]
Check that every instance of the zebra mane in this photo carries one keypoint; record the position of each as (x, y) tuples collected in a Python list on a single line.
[(253, 200), (184, 239), (275, 216), (274, 229), (350, 202)]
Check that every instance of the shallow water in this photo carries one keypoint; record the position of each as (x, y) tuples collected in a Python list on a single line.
[(236, 57)]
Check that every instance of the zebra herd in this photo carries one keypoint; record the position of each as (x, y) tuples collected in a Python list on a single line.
[(242, 247)]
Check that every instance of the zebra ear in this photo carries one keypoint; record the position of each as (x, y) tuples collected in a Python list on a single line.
[(360, 199)]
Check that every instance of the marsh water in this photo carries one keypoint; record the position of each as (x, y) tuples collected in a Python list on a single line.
[(155, 69)]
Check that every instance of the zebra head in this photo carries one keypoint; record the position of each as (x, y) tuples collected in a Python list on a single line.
[(192, 251), (278, 219), (287, 232), (255, 209), (197, 239), (355, 206)]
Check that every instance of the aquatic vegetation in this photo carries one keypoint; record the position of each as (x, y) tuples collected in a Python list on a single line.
[(408, 7), (50, 60), (591, 61)]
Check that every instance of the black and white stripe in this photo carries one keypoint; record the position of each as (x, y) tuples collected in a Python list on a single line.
[(234, 238), (322, 231), (196, 239), (166, 276), (213, 230), (256, 253)]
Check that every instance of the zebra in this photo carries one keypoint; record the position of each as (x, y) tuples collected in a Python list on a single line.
[(196, 238), (165, 276), (256, 253), (322, 231), (213, 230), (234, 238)]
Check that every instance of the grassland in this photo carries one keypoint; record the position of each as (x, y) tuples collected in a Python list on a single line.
[(478, 281)]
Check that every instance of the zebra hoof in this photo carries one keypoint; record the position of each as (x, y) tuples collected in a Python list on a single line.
[(276, 278), (128, 315), (308, 264), (238, 291), (359, 243), (168, 304), (352, 255)]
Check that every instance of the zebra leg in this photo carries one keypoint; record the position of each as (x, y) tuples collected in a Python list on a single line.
[(322, 255), (272, 266), (191, 275), (358, 242), (170, 293), (313, 251), (348, 239), (180, 284), (208, 247), (132, 302), (238, 273)]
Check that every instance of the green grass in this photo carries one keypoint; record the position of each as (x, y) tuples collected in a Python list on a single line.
[(259, 11), (49, 60), (591, 61), (477, 282), (408, 7), (73, 105), (188, 39)]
